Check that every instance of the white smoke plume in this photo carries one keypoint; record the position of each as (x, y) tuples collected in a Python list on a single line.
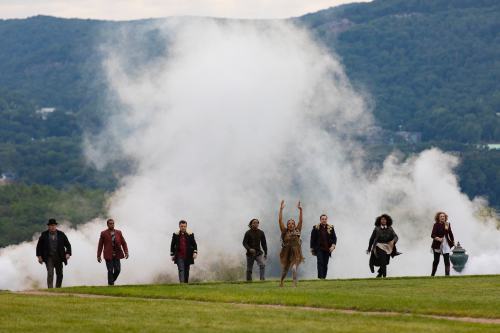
[(234, 117)]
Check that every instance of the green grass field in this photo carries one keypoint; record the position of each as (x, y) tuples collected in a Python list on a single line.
[(390, 305)]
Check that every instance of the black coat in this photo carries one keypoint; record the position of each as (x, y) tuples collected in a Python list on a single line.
[(191, 247), (315, 235), (254, 239), (63, 246)]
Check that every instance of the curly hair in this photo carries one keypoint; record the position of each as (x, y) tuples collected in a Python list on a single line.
[(379, 219), (250, 223), (436, 217)]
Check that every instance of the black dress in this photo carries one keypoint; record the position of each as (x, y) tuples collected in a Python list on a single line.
[(378, 256)]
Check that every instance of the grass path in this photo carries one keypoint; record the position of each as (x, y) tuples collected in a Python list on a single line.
[(273, 306)]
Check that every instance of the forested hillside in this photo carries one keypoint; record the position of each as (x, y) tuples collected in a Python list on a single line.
[(431, 67)]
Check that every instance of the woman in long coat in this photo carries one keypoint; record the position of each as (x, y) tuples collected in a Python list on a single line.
[(382, 245), (291, 244), (442, 242)]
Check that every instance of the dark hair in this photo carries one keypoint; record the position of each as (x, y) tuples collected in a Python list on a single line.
[(109, 220), (52, 221), (436, 217), (250, 223), (387, 218), (182, 222), (322, 216)]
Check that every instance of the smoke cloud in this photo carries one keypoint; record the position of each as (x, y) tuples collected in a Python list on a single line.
[(228, 120)]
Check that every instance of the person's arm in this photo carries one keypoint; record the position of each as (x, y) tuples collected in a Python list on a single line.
[(124, 245), (280, 216), (195, 247), (100, 246), (334, 240), (263, 242), (172, 247), (395, 237), (372, 240), (434, 233), (245, 241), (450, 234), (39, 251), (67, 246), (299, 226), (312, 241)]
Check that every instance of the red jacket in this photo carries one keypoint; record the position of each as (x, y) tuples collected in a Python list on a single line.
[(106, 242), (438, 230)]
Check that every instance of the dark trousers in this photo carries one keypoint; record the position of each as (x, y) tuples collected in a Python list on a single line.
[(114, 268), (260, 262), (183, 267), (322, 261), (382, 271), (51, 264), (435, 263)]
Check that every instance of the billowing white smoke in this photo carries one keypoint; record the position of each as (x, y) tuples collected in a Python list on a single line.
[(235, 117)]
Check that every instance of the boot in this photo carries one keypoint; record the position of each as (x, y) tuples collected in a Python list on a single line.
[(447, 270)]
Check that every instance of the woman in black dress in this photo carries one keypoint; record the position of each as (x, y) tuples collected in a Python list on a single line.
[(382, 245)]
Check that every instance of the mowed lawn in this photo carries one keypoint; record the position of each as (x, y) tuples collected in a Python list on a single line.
[(467, 296), (243, 307)]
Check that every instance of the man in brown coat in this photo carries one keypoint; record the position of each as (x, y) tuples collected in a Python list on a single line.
[(115, 248)]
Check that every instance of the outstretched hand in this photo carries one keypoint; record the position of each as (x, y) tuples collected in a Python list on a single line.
[(282, 205), (299, 206)]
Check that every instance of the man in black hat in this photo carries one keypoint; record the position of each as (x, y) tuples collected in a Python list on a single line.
[(53, 249)]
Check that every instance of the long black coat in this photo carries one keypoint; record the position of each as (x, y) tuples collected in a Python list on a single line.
[(63, 246), (315, 234), (191, 247)]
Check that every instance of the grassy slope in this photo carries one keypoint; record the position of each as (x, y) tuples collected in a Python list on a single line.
[(21, 313), (472, 296)]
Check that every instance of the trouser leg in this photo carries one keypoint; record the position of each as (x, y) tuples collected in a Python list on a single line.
[(58, 265), (382, 271), (294, 274), (109, 268), (186, 272), (322, 258), (116, 268), (250, 260), (262, 267), (446, 257), (181, 268), (49, 264), (435, 263)]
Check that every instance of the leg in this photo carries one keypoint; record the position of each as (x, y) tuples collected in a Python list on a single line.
[(326, 259), (180, 267), (186, 272), (435, 263), (262, 267), (59, 273), (250, 260), (49, 264), (109, 267), (116, 268), (284, 272), (319, 263), (294, 274), (383, 270), (446, 257)]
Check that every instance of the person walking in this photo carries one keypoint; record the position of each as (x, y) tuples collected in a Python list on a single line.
[(114, 247), (183, 250), (53, 249), (442, 242), (252, 242), (291, 244), (323, 242), (382, 245)]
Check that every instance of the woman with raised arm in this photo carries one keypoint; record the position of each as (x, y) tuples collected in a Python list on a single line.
[(291, 250)]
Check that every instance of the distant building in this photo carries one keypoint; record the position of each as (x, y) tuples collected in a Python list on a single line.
[(44, 112), (493, 146), (7, 178)]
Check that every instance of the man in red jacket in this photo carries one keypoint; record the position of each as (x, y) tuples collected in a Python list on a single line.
[(115, 248)]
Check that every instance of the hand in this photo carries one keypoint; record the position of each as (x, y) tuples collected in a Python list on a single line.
[(172, 257), (368, 251), (252, 252), (126, 255), (313, 252), (40, 260), (265, 257), (332, 248), (282, 205), (299, 206), (67, 256), (99, 259), (195, 255)]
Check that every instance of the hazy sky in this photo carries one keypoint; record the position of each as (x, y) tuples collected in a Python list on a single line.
[(137, 9)]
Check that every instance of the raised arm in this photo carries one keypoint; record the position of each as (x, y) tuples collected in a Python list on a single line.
[(299, 226), (280, 216)]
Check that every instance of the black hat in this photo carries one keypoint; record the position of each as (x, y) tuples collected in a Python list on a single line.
[(51, 222)]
